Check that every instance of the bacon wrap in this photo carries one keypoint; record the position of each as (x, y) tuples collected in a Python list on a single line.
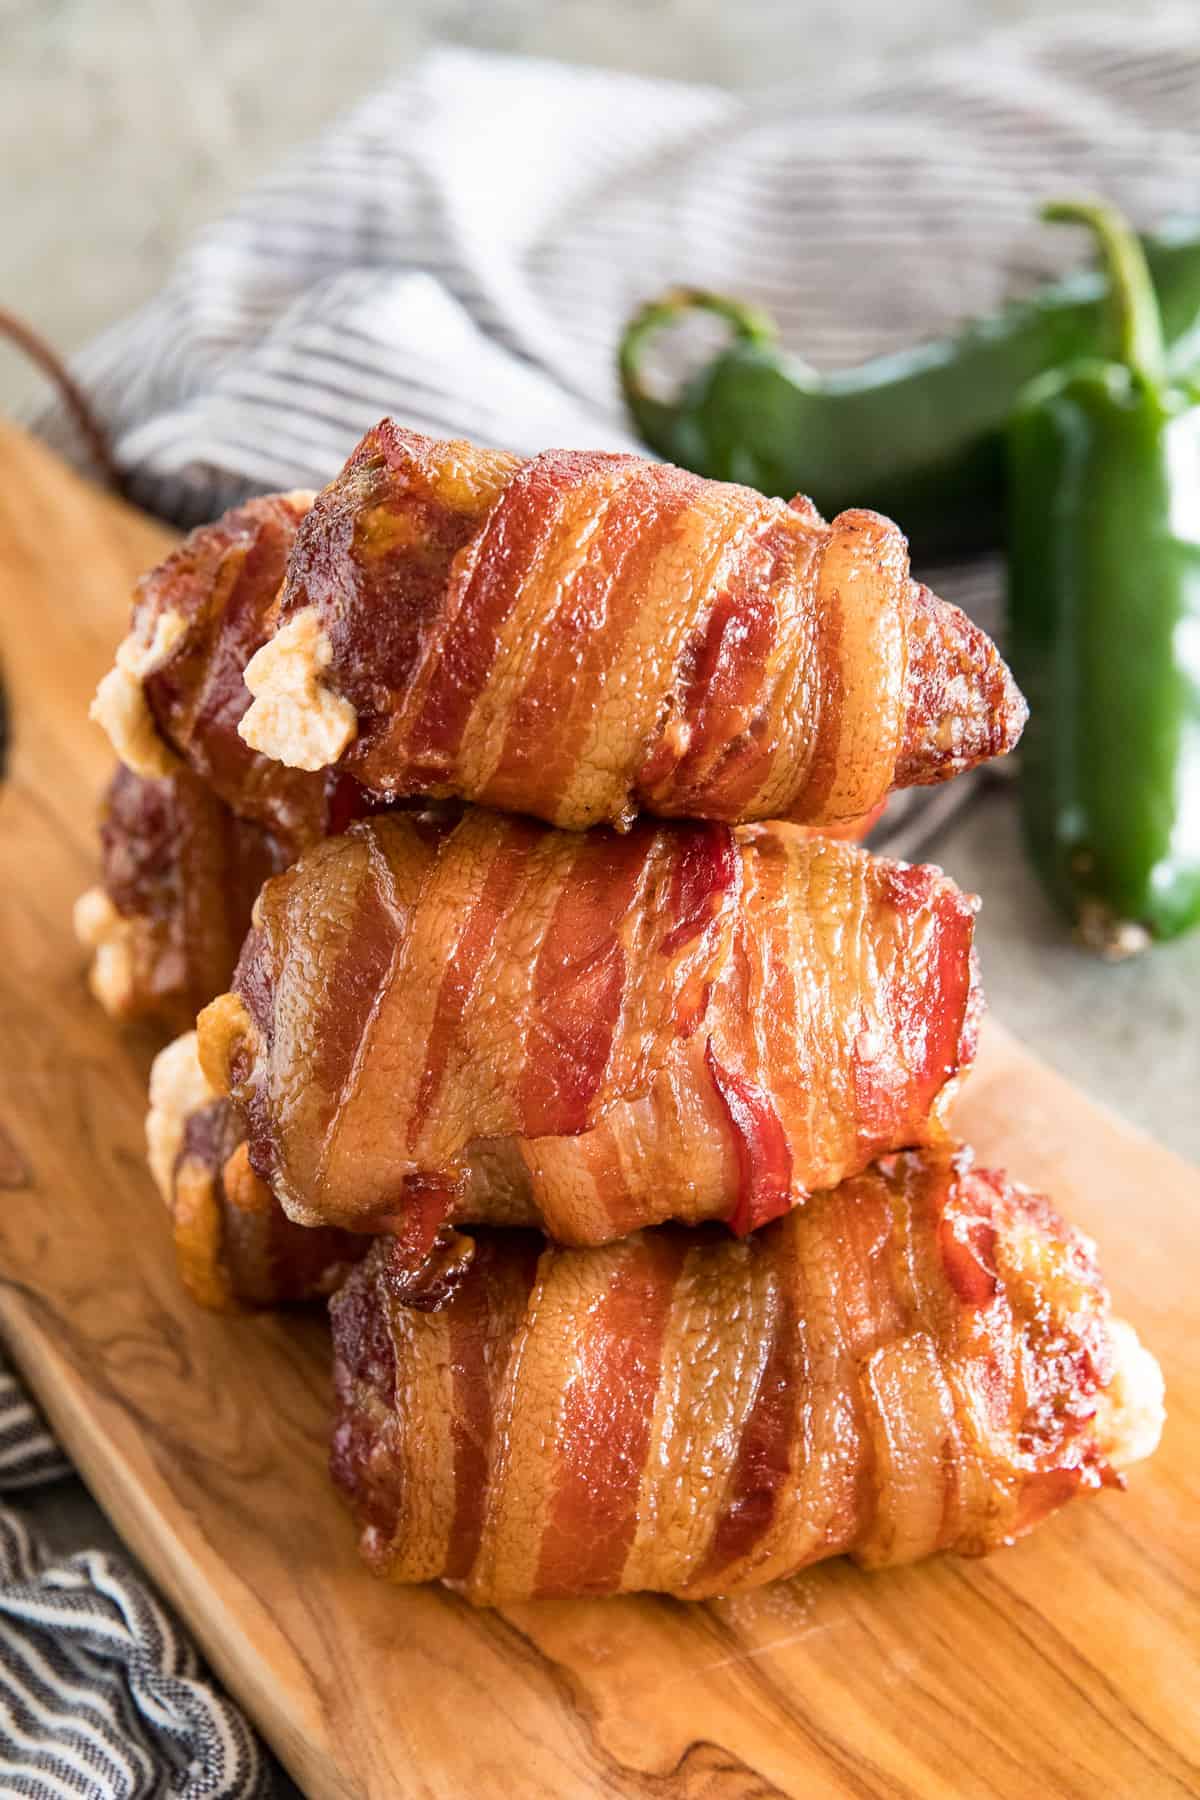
[(699, 1415), (234, 1244), (586, 636), (179, 876), (210, 607), (589, 1033)]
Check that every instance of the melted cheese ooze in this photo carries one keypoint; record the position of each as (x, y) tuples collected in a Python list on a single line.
[(1130, 1412), (178, 1088), (100, 928), (119, 707), (222, 1026), (295, 718)]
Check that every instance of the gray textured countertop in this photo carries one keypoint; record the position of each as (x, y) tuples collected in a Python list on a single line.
[(124, 127), (1126, 1033)]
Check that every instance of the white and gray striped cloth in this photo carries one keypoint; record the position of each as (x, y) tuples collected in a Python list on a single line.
[(461, 251), (102, 1696)]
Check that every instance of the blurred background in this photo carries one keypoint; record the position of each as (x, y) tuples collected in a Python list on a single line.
[(129, 123)]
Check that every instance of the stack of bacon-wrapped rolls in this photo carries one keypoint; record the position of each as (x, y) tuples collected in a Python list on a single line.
[(493, 814)]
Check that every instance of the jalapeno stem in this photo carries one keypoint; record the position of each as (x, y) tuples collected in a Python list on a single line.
[(749, 324), (1133, 299)]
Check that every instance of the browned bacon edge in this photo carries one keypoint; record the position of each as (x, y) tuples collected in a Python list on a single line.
[(421, 557), (179, 877), (584, 975), (675, 1413), (234, 1244), (176, 696)]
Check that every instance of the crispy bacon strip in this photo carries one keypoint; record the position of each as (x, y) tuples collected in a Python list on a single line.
[(501, 1022), (921, 1359), (179, 876), (234, 1244), (588, 636), (175, 697)]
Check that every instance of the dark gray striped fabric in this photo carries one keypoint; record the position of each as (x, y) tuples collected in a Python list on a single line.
[(29, 1456), (101, 1694)]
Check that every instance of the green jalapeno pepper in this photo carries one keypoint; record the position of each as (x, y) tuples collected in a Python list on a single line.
[(918, 435), (1104, 583)]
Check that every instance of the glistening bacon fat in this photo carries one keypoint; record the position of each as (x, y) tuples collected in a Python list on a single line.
[(587, 636), (922, 1359), (234, 1245), (492, 1020), (179, 875), (180, 871), (175, 695)]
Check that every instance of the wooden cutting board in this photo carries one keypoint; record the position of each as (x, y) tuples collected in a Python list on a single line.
[(1067, 1666)]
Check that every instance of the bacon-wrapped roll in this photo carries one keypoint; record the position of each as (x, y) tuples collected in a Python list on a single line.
[(587, 636), (179, 876), (234, 1245), (590, 1033), (175, 697), (922, 1359)]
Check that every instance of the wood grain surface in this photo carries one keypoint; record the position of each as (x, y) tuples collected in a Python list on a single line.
[(1066, 1666)]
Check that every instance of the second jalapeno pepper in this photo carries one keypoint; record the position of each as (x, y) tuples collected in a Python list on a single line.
[(1104, 575), (918, 435)]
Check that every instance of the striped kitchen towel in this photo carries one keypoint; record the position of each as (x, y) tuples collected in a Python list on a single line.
[(463, 249), (101, 1694)]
